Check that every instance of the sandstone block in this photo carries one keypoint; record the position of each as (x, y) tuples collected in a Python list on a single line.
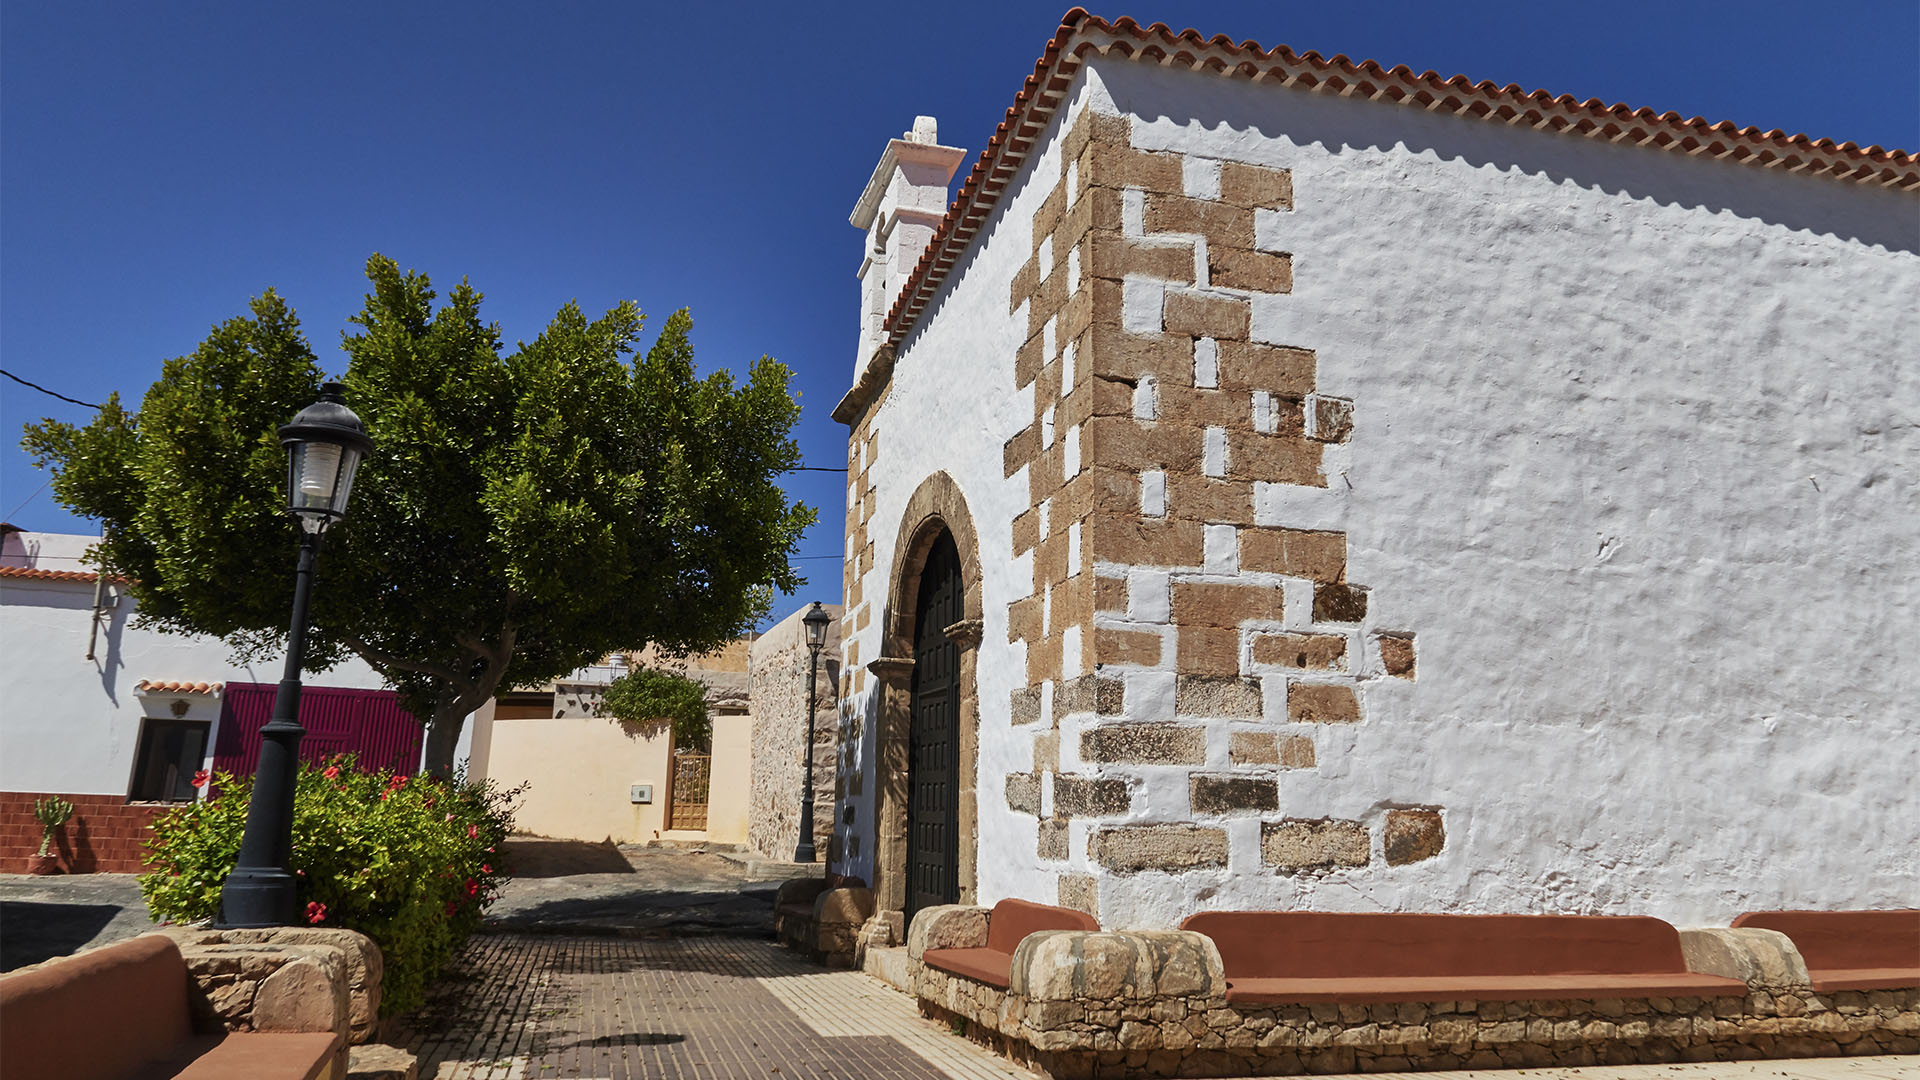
[(1023, 793), (1231, 794), (1145, 744), (1109, 594), (1077, 891), (947, 926), (1209, 604), (1414, 835), (1247, 366), (1316, 703), (1052, 839), (1339, 602), (1115, 646), (1256, 186), (1172, 847), (1760, 958), (1309, 553), (1086, 796), (1209, 650), (1108, 254), (1146, 542), (375, 1061), (1317, 652), (1216, 695), (308, 994), (1324, 844), (1026, 705), (1199, 316), (1279, 458), (1221, 223), (1332, 419), (1211, 501), (1255, 271), (1087, 694), (1396, 654)]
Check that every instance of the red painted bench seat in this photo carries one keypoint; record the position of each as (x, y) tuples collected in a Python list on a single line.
[(1009, 924), (1305, 957), (1849, 950), (121, 1011)]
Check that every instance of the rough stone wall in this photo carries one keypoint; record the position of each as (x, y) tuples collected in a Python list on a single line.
[(1184, 645), (777, 686)]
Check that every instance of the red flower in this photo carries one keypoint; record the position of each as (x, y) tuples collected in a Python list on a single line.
[(473, 833), (398, 781), (200, 778), (485, 869), (316, 912), (472, 886), (331, 772)]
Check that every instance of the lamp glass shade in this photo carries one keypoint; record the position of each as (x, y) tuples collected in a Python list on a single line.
[(816, 621), (325, 444)]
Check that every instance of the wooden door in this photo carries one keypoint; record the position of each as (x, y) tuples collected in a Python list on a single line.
[(933, 753)]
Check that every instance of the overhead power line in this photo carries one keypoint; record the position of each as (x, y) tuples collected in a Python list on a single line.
[(54, 393)]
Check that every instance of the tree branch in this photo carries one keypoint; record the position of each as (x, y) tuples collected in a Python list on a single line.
[(383, 660)]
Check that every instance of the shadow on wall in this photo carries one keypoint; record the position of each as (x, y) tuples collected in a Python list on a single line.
[(857, 744), (1339, 126)]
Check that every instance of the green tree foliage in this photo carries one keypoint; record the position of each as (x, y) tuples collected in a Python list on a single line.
[(645, 697), (523, 513)]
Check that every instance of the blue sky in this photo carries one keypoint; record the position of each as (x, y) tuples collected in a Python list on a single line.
[(162, 163)]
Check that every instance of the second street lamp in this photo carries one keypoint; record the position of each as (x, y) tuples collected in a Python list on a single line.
[(324, 445), (816, 620)]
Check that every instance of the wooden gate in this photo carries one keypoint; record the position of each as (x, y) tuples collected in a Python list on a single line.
[(687, 796)]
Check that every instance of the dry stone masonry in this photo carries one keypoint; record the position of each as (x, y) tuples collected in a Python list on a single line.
[(1152, 1004), (1178, 620)]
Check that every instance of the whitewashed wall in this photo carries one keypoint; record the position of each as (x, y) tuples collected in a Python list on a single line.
[(1636, 458), (951, 407), (71, 725)]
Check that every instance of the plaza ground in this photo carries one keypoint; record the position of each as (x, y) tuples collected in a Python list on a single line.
[(607, 963)]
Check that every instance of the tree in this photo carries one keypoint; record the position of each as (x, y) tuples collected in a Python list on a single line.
[(521, 516)]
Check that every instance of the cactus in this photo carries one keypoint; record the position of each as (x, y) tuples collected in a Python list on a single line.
[(51, 814)]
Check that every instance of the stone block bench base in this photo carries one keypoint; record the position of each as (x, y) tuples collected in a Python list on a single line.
[(1152, 1004)]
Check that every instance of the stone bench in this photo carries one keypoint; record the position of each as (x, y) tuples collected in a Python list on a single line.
[(1309, 957), (983, 949), (1155, 1003), (822, 917), (1849, 950), (126, 1010)]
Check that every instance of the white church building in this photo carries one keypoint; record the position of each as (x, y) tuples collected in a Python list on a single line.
[(1281, 483)]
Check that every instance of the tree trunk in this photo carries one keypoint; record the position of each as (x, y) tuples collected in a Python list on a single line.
[(443, 735)]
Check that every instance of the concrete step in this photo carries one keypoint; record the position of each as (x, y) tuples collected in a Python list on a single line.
[(889, 966)]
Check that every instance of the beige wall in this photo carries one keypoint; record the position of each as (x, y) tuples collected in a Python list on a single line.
[(580, 769), (728, 795)]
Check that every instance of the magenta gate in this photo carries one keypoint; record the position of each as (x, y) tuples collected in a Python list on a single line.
[(369, 723)]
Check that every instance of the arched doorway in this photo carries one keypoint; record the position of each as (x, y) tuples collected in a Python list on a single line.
[(933, 738)]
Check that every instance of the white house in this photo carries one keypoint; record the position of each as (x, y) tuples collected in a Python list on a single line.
[(112, 716), (1276, 482)]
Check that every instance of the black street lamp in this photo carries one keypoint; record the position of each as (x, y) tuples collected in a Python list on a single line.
[(324, 446), (816, 620)]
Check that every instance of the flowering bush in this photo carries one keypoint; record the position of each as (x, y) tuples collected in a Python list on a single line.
[(411, 862)]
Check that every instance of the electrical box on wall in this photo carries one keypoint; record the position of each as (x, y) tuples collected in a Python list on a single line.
[(643, 793)]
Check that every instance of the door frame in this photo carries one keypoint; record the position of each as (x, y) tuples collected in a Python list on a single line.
[(937, 506)]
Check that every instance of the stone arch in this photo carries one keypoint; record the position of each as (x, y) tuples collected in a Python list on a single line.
[(936, 507)]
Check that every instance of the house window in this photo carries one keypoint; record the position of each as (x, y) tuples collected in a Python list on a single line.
[(170, 753)]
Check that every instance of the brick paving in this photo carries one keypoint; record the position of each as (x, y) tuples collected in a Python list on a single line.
[(528, 1007)]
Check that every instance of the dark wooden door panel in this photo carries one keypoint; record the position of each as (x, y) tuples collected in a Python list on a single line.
[(933, 760)]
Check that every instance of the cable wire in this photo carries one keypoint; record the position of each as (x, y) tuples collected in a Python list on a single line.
[(51, 393)]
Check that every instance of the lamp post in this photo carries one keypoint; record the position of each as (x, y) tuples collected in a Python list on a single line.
[(324, 445), (816, 620)]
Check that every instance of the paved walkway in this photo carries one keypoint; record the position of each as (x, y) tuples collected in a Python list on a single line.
[(525, 1007)]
